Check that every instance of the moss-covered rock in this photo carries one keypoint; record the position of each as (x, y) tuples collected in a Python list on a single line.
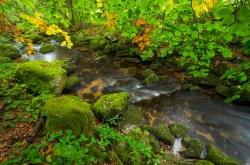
[(224, 90), (178, 130), (194, 148), (69, 112), (42, 76), (162, 133), (204, 162), (47, 48), (133, 116), (215, 155), (71, 82), (110, 105), (8, 50), (150, 77)]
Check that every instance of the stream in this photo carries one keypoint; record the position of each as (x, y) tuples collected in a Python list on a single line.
[(206, 115)]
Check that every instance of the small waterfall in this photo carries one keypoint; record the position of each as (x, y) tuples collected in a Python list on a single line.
[(177, 147)]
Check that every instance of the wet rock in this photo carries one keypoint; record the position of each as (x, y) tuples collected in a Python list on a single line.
[(194, 148), (69, 112), (150, 77), (71, 82), (110, 105), (211, 80), (162, 133), (133, 116), (216, 156), (224, 90), (8, 50), (178, 130), (204, 162), (47, 48), (41, 76)]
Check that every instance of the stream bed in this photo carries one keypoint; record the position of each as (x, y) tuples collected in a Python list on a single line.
[(206, 115)]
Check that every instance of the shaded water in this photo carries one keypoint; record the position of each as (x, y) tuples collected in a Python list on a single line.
[(207, 116)]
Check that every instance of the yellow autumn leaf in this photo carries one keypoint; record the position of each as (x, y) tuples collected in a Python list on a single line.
[(63, 43)]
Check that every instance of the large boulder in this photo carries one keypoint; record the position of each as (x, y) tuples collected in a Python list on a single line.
[(110, 105), (69, 112), (8, 50), (42, 76), (216, 156)]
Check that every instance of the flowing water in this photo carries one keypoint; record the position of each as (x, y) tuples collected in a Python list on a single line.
[(206, 115)]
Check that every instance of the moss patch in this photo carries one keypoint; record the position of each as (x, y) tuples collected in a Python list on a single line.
[(133, 116), (162, 133), (216, 156), (178, 130), (47, 48), (194, 148), (42, 76), (69, 112), (203, 162), (110, 105), (71, 82)]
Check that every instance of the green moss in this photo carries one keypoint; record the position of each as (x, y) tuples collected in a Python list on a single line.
[(194, 148), (178, 130), (110, 105), (150, 76), (133, 116), (8, 50), (69, 112), (224, 90), (203, 162), (71, 82), (162, 133), (47, 48), (216, 156), (42, 76)]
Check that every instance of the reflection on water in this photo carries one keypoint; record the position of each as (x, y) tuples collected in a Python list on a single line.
[(207, 116)]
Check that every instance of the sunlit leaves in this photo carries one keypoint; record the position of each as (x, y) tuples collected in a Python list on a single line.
[(48, 29), (203, 6)]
